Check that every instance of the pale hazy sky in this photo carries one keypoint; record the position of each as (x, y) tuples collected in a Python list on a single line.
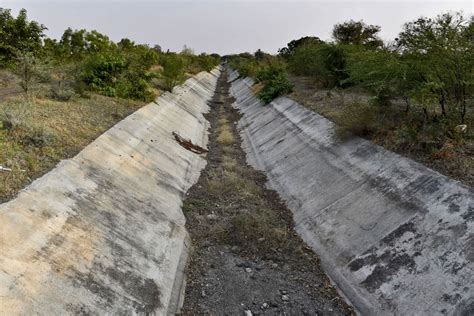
[(225, 26)]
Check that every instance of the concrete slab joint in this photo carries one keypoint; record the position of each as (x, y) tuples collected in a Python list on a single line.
[(395, 236), (103, 232)]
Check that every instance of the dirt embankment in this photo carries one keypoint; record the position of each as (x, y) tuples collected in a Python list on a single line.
[(247, 258)]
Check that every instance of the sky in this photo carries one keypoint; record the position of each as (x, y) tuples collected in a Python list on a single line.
[(224, 26)]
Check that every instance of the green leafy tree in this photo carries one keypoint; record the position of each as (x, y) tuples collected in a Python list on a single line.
[(18, 35), (259, 55), (441, 50), (357, 33), (287, 52), (26, 69), (126, 44), (173, 70), (325, 62), (76, 44), (384, 73)]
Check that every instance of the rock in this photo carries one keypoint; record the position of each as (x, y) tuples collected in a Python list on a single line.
[(248, 270), (211, 216), (285, 297), (247, 312), (264, 306), (234, 248), (461, 128), (203, 293)]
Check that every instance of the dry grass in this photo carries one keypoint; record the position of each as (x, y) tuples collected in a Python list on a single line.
[(256, 88), (229, 163), (45, 131), (225, 137)]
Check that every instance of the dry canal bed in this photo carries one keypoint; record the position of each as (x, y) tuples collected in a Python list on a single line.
[(247, 257)]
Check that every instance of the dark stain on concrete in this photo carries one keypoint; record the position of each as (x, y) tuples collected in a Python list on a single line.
[(452, 299), (365, 151), (392, 263), (469, 214), (469, 248), (453, 199), (144, 291), (465, 308), (389, 262), (398, 232)]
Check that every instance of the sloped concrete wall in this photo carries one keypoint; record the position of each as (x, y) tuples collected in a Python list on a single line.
[(103, 233), (395, 236)]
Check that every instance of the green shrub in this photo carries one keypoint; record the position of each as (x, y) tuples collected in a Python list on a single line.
[(102, 71), (119, 74), (325, 62), (61, 93), (269, 72), (173, 70), (275, 87)]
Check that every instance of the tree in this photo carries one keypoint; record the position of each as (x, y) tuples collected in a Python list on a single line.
[(173, 70), (26, 67), (75, 44), (287, 52), (441, 50), (18, 35), (326, 62), (259, 55), (157, 48), (384, 73), (357, 33)]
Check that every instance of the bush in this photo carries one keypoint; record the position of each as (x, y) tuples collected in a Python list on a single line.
[(59, 93), (117, 74), (269, 72), (275, 87), (325, 62), (101, 73), (34, 135), (173, 70)]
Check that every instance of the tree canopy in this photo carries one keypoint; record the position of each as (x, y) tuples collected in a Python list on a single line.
[(357, 33), (18, 35)]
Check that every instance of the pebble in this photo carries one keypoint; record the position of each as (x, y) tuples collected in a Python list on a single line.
[(285, 298), (247, 312), (264, 305), (211, 216), (248, 270)]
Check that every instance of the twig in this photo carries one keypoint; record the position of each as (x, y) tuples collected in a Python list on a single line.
[(5, 169), (186, 143)]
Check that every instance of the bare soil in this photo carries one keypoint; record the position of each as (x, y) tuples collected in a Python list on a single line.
[(247, 258)]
